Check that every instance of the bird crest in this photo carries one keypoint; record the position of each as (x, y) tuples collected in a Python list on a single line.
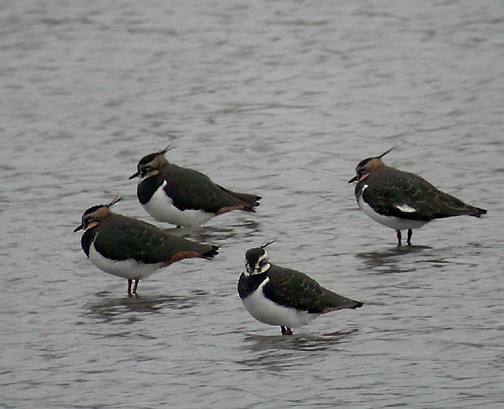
[(116, 199), (390, 150)]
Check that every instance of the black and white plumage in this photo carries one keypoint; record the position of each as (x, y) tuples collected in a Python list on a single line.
[(283, 296), (130, 248), (402, 200), (183, 196)]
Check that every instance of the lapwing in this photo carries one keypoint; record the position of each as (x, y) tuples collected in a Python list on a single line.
[(182, 196), (402, 200), (283, 296), (130, 248)]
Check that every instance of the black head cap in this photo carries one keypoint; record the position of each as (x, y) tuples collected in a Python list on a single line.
[(151, 156), (93, 209), (257, 257), (148, 159), (362, 170), (253, 255), (363, 162)]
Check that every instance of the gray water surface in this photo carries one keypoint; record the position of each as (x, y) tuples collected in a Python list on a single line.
[(282, 99)]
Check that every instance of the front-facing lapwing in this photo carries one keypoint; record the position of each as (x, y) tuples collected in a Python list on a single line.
[(130, 248), (402, 200), (182, 196), (282, 296)]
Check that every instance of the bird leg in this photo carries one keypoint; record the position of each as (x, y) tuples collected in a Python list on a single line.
[(399, 236), (410, 233), (137, 280), (129, 286), (286, 330)]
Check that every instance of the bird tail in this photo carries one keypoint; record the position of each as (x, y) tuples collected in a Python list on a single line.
[(250, 200), (478, 212), (355, 305), (210, 254), (341, 303)]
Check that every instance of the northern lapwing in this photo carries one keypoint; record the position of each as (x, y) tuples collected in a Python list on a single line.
[(130, 248), (402, 200), (282, 296), (182, 196)]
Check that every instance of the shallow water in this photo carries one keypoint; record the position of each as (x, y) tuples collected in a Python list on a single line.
[(282, 99)]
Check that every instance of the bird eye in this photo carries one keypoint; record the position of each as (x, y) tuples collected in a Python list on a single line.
[(88, 221), (145, 169)]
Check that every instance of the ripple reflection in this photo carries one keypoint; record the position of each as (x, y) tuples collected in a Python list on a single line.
[(112, 308)]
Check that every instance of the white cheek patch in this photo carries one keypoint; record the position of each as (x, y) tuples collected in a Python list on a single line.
[(264, 268), (406, 209)]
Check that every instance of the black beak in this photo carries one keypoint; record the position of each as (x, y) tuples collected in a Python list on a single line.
[(134, 176), (354, 179), (79, 228)]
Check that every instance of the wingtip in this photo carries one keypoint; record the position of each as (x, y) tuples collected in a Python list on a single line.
[(254, 203), (250, 206), (357, 304), (348, 304), (249, 201)]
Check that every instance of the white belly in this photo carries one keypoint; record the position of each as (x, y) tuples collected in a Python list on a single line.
[(264, 310), (129, 269), (162, 209), (392, 222)]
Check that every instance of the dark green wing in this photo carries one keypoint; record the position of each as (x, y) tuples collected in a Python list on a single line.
[(292, 288), (122, 238), (389, 190), (191, 189)]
